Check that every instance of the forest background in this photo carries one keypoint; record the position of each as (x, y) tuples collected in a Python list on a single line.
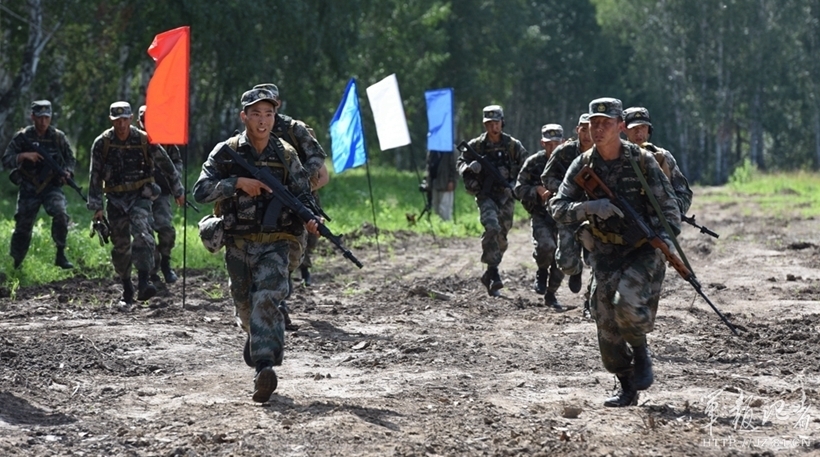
[(725, 81)]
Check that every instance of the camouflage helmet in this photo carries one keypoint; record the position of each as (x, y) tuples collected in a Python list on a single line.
[(637, 115), (552, 132), (212, 233), (493, 113), (254, 96), (41, 108), (607, 107), (119, 110)]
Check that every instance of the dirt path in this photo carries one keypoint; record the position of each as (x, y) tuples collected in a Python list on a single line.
[(378, 369)]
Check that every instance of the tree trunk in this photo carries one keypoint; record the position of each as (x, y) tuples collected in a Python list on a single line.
[(38, 37)]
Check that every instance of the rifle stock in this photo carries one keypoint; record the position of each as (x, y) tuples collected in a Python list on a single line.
[(591, 184), (284, 198), (54, 166)]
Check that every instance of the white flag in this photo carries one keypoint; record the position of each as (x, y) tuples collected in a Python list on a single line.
[(388, 113)]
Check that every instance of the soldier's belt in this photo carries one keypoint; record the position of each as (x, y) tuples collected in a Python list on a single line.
[(268, 237), (613, 238), (129, 186)]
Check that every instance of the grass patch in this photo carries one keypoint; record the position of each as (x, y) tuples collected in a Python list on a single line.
[(780, 195)]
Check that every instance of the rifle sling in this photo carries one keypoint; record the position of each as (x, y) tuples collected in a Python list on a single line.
[(656, 206)]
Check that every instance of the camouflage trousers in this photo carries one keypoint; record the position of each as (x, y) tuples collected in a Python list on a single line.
[(132, 236), (497, 218), (258, 282), (310, 245), (568, 255), (164, 227), (626, 288), (53, 201), (544, 231)]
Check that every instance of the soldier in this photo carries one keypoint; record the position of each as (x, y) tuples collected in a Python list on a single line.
[(299, 135), (638, 131), (441, 176), (163, 214), (496, 202), (568, 254), (39, 184), (534, 197), (257, 261), (627, 279), (122, 167)]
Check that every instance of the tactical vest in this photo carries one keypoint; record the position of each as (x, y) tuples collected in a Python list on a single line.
[(243, 214), (500, 155), (620, 177), (131, 166), (38, 173)]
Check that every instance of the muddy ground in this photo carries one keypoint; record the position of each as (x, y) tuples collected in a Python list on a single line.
[(381, 367)]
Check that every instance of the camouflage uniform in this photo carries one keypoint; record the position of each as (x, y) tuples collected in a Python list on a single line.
[(568, 253), (627, 279), (637, 116), (496, 204), (544, 228), (258, 262), (164, 214), (312, 156), (125, 174), (38, 187)]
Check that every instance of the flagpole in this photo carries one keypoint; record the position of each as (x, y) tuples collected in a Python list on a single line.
[(372, 200), (184, 223)]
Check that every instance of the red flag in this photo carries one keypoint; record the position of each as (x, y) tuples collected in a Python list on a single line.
[(166, 101)]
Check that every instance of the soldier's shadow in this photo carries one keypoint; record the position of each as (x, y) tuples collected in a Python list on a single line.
[(315, 409)]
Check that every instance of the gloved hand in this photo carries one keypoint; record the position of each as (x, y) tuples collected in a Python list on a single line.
[(602, 208), (475, 166)]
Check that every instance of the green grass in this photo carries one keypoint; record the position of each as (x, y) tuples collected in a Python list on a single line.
[(346, 199), (775, 194)]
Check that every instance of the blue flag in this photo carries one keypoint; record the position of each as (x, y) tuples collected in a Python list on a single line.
[(439, 119), (346, 135)]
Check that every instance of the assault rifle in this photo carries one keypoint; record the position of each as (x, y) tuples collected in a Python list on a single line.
[(492, 175), (284, 198), (691, 221), (592, 184), (53, 165)]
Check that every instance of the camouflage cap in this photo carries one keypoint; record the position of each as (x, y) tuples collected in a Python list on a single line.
[(637, 115), (607, 107), (254, 96), (493, 113), (552, 132), (41, 108), (272, 88), (141, 112), (584, 119), (119, 110)]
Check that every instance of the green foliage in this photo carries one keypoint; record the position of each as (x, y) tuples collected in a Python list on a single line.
[(743, 174), (772, 194)]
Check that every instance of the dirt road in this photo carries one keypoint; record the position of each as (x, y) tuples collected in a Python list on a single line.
[(381, 367)]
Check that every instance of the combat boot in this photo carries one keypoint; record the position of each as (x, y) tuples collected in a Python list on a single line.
[(305, 276), (145, 289), (626, 396), (552, 302), (642, 370), (127, 291), (61, 261), (540, 284), (575, 282), (167, 272), (265, 381), (492, 281)]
